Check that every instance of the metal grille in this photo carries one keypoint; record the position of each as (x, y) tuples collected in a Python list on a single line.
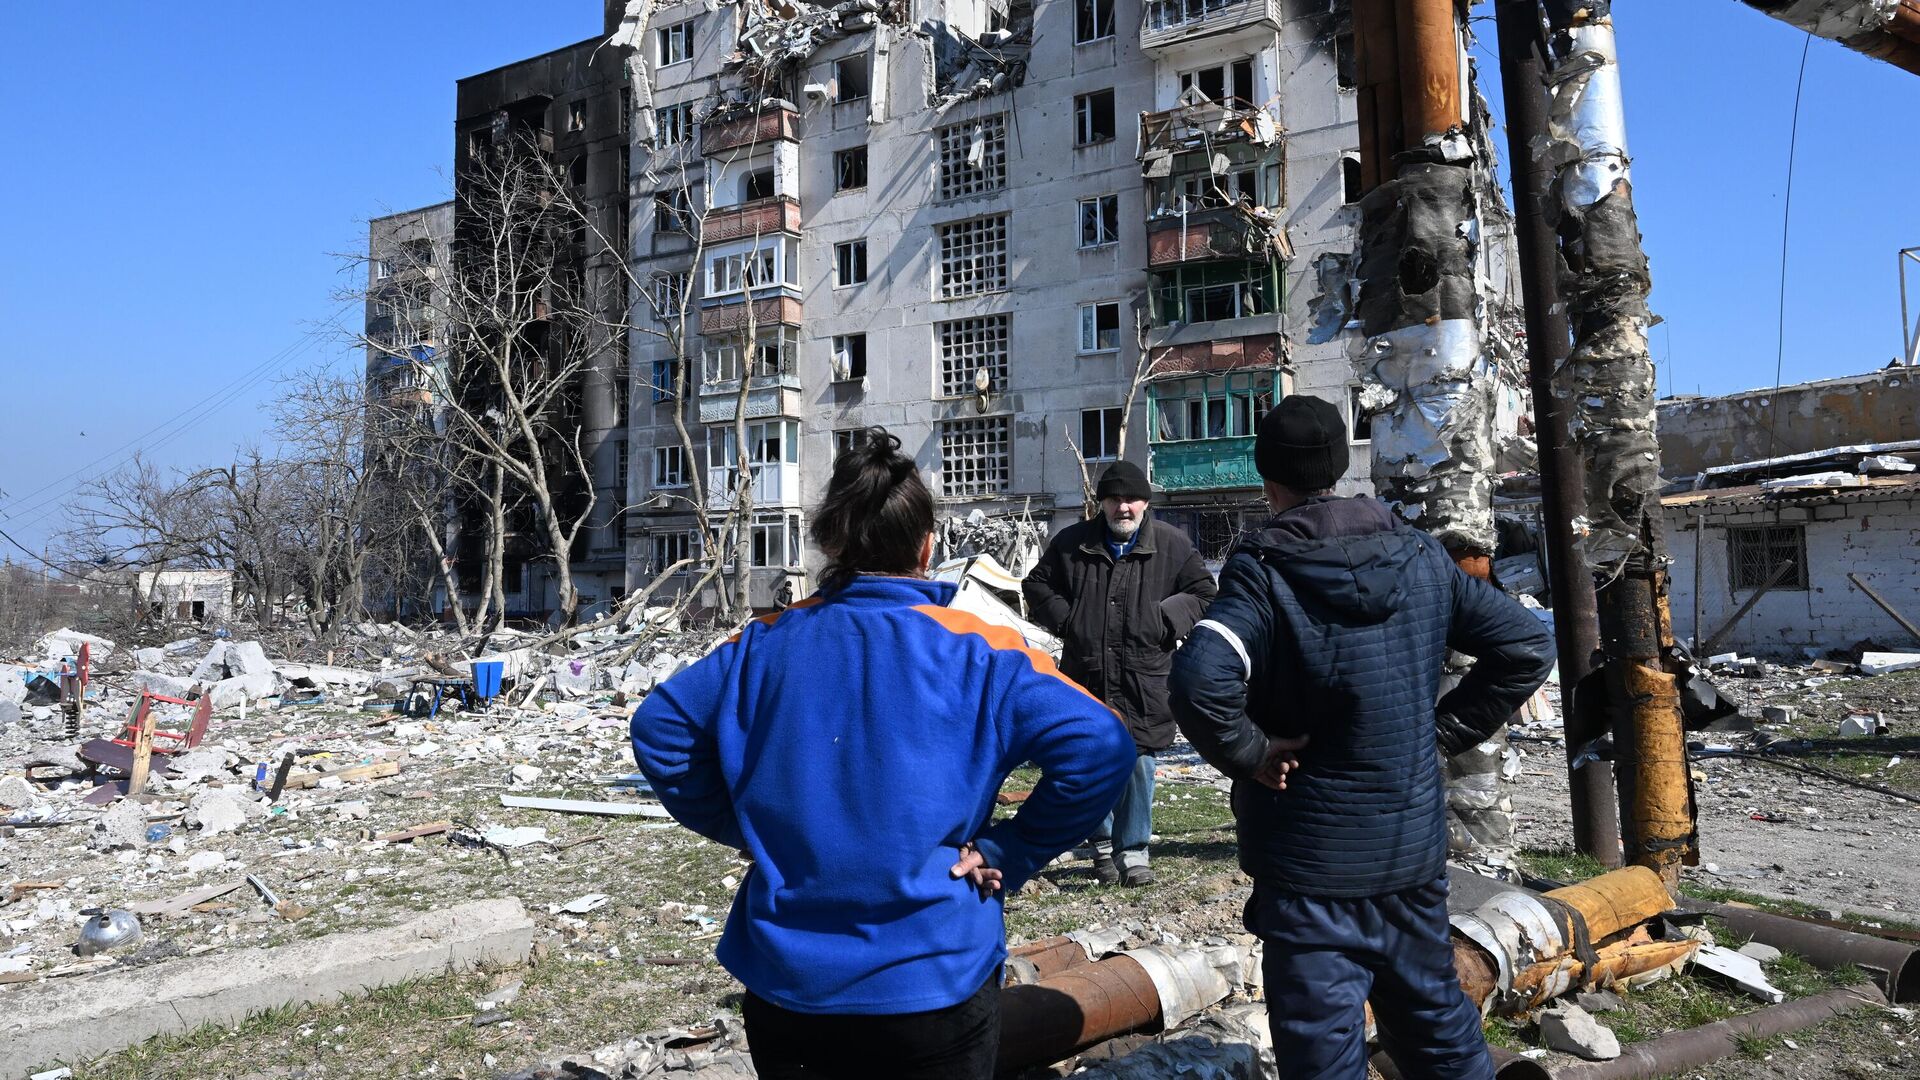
[(974, 458), (1755, 552), (968, 346), (973, 157), (973, 257)]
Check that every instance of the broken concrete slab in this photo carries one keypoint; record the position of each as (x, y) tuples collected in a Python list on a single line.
[(1881, 663), (156, 682), (1760, 951), (15, 793), (67, 641), (149, 658), (123, 826), (1570, 1029), (53, 1022), (10, 713), (222, 810), (229, 693)]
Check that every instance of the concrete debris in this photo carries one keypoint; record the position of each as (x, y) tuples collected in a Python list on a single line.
[(1570, 1029), (201, 861), (221, 810), (1599, 1001), (123, 826), (16, 793), (66, 642), (1014, 541), (1759, 951), (1882, 663)]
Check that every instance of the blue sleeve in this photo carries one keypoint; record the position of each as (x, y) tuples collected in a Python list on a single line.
[(1513, 654), (1208, 684), (1084, 754), (674, 746)]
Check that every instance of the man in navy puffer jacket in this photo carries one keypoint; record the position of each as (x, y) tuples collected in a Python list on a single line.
[(1312, 684)]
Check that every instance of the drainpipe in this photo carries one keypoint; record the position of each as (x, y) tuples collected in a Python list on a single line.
[(1523, 65), (1883, 29), (1610, 382)]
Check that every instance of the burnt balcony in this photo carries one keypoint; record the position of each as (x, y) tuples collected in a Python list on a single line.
[(1201, 125), (763, 127), (1227, 232), (761, 217), (1170, 22)]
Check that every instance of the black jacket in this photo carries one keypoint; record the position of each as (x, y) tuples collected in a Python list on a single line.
[(1334, 622), (1120, 622)]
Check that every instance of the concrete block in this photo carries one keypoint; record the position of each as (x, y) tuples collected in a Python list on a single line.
[(155, 682), (229, 693), (212, 667), (62, 1021), (1880, 663), (247, 658), (13, 685), (149, 658)]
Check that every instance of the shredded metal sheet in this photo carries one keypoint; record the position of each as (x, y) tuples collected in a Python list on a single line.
[(1836, 19)]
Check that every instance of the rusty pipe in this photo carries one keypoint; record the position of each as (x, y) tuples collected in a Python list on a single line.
[(1044, 959), (1507, 1065), (1050, 1021), (1894, 965), (1431, 95), (1708, 1043)]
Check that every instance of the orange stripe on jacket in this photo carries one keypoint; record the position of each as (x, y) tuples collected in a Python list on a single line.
[(773, 617), (1001, 637)]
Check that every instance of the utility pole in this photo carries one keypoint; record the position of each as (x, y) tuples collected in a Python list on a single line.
[(1611, 383), (1523, 66)]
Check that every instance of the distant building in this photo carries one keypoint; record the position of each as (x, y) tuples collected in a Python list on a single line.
[(1698, 433), (407, 258)]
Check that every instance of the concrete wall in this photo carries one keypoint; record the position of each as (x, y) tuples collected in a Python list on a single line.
[(1697, 433), (1873, 537)]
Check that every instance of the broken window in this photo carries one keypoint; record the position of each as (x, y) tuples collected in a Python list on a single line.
[(668, 294), (850, 78), (666, 376), (974, 457), (1222, 82), (845, 439), (672, 211), (772, 354), (969, 347), (626, 108), (1092, 20), (742, 270), (1208, 191), (1204, 292), (1099, 221), (674, 44), (757, 184), (1345, 70), (577, 116), (1754, 555), (1100, 434), (775, 542), (669, 466), (672, 124), (1168, 14), (973, 257), (669, 548), (1211, 406), (1093, 118), (849, 263), (1350, 179), (382, 270), (1100, 327), (1360, 422), (577, 171), (973, 157), (850, 169), (849, 357)]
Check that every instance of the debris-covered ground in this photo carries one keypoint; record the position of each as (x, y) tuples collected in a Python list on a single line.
[(628, 907)]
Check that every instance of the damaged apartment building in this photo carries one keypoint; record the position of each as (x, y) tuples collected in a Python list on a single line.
[(965, 221)]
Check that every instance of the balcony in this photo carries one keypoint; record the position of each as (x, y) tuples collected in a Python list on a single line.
[(1204, 465), (773, 486), (718, 137), (1171, 22), (762, 217), (735, 314), (1205, 235), (1201, 126), (1255, 352)]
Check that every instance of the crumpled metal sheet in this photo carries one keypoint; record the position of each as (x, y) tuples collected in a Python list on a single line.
[(1837, 19), (1433, 445), (1332, 307), (714, 1052)]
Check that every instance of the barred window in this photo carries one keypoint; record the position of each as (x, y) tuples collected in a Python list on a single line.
[(973, 257), (973, 157), (974, 457), (969, 346), (1754, 554)]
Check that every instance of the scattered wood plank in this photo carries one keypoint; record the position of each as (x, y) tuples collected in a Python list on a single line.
[(358, 772), (22, 888), (585, 806), (186, 901), (431, 828)]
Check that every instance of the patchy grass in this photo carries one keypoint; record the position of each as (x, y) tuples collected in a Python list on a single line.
[(1564, 865)]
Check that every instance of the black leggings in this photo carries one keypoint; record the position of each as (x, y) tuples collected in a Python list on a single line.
[(959, 1042)]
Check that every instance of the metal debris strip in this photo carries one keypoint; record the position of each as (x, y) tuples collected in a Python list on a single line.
[(1836, 19), (1015, 541), (1609, 377)]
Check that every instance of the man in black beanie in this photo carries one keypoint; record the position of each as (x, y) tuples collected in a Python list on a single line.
[(1121, 590), (1312, 684)]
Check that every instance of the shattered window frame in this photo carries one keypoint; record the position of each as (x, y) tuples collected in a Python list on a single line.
[(1104, 429), (1230, 74), (1093, 335), (850, 169), (976, 457), (845, 439), (1200, 408), (1087, 119), (973, 257), (767, 264), (672, 124), (1346, 67), (669, 466), (673, 44), (666, 370), (775, 353), (965, 346), (668, 291), (1754, 551), (577, 115), (959, 177), (1093, 21), (1099, 221), (849, 263), (849, 357), (847, 89), (673, 211), (669, 546)]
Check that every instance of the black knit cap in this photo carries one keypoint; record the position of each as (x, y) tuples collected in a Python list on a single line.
[(1123, 479), (1302, 443)]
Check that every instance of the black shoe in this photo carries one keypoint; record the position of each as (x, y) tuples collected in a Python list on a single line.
[(1137, 876), (1105, 871)]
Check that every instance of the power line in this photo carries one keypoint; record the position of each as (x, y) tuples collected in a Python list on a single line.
[(1786, 226)]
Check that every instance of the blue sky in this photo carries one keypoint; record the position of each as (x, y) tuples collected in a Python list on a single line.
[(183, 176)]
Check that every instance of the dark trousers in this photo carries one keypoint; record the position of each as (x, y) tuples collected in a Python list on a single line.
[(959, 1042), (1325, 958)]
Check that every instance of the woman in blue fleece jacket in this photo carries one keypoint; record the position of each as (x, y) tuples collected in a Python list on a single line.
[(852, 745)]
